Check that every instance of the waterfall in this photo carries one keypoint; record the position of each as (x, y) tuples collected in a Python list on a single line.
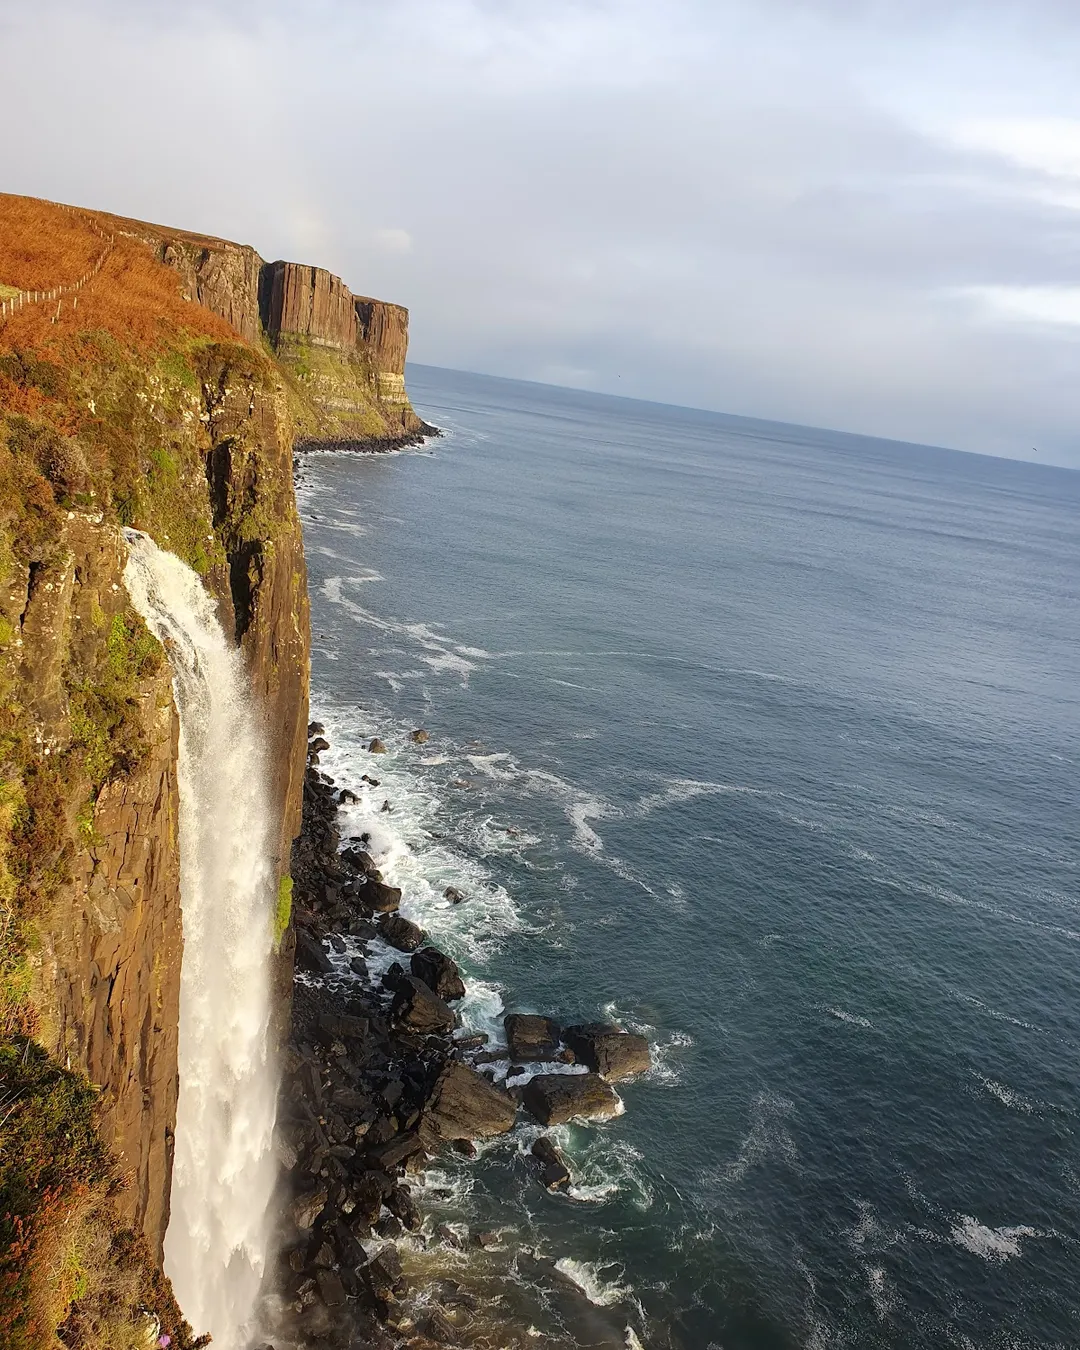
[(224, 1171)]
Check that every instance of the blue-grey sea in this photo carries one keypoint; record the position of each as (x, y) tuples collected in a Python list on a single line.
[(763, 740)]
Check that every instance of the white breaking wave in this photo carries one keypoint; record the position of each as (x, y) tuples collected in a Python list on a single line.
[(853, 1019), (586, 1276), (992, 1244), (223, 1173)]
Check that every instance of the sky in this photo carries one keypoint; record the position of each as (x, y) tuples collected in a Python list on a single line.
[(860, 214)]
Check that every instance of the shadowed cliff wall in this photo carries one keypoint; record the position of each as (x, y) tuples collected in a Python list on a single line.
[(138, 408)]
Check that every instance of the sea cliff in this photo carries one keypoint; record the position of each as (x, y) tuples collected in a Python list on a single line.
[(157, 379)]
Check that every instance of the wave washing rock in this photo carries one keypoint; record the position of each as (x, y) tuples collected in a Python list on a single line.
[(608, 1050), (555, 1098)]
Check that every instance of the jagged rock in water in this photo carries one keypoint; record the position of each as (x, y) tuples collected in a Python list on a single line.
[(464, 1105), (420, 1009), (555, 1098), (438, 972), (318, 745), (419, 736), (401, 933), (380, 898), (402, 1206), (384, 1275), (531, 1038), (453, 895), (608, 1050), (376, 747), (362, 861), (554, 1172)]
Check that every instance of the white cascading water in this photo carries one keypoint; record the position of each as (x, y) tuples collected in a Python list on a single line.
[(224, 1171)]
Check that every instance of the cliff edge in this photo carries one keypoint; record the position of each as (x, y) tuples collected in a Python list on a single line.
[(157, 379), (344, 354)]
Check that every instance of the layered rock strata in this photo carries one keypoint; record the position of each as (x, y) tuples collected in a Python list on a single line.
[(347, 352)]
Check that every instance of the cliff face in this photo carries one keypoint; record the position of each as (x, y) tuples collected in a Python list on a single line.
[(346, 352), (137, 408)]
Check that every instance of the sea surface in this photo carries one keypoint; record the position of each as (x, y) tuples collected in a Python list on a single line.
[(765, 741)]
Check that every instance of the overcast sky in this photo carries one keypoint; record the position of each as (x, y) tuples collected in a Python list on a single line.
[(848, 213)]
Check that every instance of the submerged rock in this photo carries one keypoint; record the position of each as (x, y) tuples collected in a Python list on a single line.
[(555, 1098), (531, 1038), (464, 1105), (608, 1050), (419, 736), (453, 895)]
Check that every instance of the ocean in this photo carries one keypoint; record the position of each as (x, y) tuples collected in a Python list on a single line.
[(762, 740)]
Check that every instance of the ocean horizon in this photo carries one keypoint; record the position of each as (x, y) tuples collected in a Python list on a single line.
[(762, 741)]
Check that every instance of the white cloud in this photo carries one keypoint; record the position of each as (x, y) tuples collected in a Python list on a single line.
[(392, 240), (1049, 145), (1028, 304)]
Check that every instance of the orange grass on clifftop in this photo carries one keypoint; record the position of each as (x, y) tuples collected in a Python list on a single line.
[(134, 298)]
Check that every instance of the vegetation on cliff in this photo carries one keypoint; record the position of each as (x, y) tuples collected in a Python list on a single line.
[(120, 405)]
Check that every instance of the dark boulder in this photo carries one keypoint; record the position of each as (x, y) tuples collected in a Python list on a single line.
[(319, 744), (316, 729), (531, 1038), (380, 898), (608, 1050), (362, 861), (555, 1098), (418, 1008), (306, 1208), (402, 1206), (554, 1172), (394, 1152), (341, 1027), (330, 1288), (310, 955), (453, 895), (389, 1227), (438, 972), (464, 1105), (419, 736), (400, 933), (383, 1274)]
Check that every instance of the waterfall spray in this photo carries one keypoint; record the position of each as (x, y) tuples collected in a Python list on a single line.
[(223, 1172)]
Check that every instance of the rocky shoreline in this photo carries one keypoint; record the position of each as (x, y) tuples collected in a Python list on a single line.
[(372, 445), (378, 1079)]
